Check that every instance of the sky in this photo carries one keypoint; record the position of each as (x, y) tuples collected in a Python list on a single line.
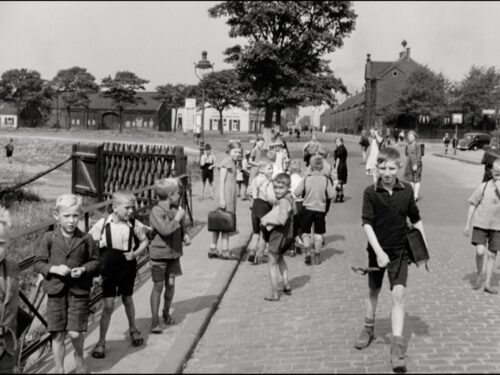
[(161, 41)]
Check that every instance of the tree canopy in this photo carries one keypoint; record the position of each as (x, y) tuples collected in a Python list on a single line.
[(75, 84), (174, 96), (122, 90), (222, 90)]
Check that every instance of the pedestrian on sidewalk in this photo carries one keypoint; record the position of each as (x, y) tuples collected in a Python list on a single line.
[(9, 300), (484, 216), (310, 149), (295, 179), (446, 142), (68, 259), (121, 238), (263, 198), (277, 229), (316, 190), (454, 143), (257, 153), (207, 164), (165, 251), (386, 229), (413, 169), (364, 142), (245, 169), (228, 191), (9, 150), (340, 156), (371, 160)]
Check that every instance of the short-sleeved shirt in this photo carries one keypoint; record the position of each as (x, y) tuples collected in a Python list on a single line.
[(387, 213), (120, 232), (316, 190), (487, 215)]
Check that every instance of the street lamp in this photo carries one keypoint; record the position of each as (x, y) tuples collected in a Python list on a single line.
[(202, 69), (57, 89)]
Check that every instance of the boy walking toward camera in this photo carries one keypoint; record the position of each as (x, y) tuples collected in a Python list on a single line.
[(165, 251), (484, 213), (275, 227), (386, 206), (121, 240), (68, 260), (316, 189)]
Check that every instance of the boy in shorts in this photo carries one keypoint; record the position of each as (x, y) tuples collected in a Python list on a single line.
[(316, 189), (485, 203), (273, 226), (386, 206), (68, 260), (207, 163), (165, 250), (121, 240)]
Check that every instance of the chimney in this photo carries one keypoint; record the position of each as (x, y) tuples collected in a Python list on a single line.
[(368, 57), (402, 54), (408, 53)]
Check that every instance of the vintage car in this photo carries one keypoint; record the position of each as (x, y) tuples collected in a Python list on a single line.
[(474, 141)]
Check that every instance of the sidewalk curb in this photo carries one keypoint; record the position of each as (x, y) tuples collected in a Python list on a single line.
[(458, 159), (184, 346)]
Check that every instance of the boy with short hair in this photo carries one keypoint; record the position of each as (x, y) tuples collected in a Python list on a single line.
[(485, 204), (9, 299), (316, 189), (165, 251), (207, 164), (386, 206), (274, 226), (68, 260), (121, 239), (9, 150)]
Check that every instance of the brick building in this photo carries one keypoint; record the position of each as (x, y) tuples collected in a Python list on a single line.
[(384, 81)]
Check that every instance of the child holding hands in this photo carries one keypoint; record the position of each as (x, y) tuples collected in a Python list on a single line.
[(68, 260)]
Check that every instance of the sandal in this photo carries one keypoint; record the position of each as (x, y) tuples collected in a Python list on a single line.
[(213, 253), (98, 351), (287, 291), (136, 338), (226, 255), (168, 319), (272, 299)]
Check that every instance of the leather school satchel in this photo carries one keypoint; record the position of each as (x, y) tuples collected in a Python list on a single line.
[(221, 220), (417, 250)]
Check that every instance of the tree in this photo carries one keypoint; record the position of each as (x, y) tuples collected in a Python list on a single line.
[(479, 90), (286, 40), (75, 84), (174, 96), (122, 90), (424, 93), (28, 92), (222, 91)]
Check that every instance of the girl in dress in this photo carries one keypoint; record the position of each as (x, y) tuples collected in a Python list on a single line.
[(371, 160), (413, 168), (340, 156)]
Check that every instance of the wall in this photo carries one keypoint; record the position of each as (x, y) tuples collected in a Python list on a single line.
[(8, 121)]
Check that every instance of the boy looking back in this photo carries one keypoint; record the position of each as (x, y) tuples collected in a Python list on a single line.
[(121, 240), (166, 219), (386, 206), (68, 260)]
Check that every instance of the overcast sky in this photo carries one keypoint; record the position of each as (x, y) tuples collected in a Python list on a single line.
[(160, 41)]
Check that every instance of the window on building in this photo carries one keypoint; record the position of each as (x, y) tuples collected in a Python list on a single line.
[(9, 121), (73, 121), (93, 122), (236, 125), (231, 124), (225, 123)]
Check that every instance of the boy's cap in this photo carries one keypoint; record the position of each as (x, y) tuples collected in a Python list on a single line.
[(169, 185), (316, 162), (208, 147)]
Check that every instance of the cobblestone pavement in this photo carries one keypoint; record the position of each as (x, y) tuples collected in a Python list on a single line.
[(449, 326)]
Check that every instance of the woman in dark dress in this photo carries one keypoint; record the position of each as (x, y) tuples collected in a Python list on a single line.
[(340, 156)]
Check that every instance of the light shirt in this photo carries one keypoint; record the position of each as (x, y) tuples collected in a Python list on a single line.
[(262, 188), (295, 179), (120, 232), (487, 215)]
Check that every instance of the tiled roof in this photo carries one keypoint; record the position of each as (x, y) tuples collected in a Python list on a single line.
[(351, 102), (7, 108), (379, 67), (99, 102)]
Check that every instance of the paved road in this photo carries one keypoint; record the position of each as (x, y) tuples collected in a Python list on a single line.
[(450, 327)]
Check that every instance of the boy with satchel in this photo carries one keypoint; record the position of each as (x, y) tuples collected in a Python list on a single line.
[(277, 230), (386, 206), (484, 213)]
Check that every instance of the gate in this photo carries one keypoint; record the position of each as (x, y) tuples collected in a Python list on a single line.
[(87, 174)]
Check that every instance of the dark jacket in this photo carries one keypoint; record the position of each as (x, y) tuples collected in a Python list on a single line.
[(53, 251), (9, 303)]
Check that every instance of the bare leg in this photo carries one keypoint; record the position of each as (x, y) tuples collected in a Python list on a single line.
[(318, 243), (77, 339), (168, 296), (107, 311), (480, 253), (224, 242), (283, 268), (371, 303), (155, 303), (273, 275), (128, 303), (398, 310), (490, 265), (215, 239), (59, 351)]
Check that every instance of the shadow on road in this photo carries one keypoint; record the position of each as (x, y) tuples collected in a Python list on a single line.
[(299, 281), (191, 306), (414, 325), (330, 252), (334, 237), (471, 277)]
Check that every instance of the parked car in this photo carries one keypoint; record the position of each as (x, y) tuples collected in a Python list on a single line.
[(474, 141)]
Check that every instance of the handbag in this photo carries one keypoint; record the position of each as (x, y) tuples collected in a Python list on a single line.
[(220, 220), (417, 250)]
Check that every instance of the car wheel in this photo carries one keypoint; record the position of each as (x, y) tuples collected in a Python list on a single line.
[(474, 148)]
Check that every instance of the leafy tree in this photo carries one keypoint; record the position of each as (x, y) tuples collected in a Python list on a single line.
[(174, 96), (28, 92), (479, 90), (123, 91), (75, 84), (222, 91), (286, 40)]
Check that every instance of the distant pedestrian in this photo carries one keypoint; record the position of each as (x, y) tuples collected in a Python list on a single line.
[(387, 205), (295, 179), (371, 160), (257, 153), (245, 169), (446, 142), (68, 259), (316, 189), (310, 149), (401, 136), (340, 156), (484, 217), (197, 134), (276, 226), (413, 168), (207, 164), (121, 239), (364, 142), (454, 143), (228, 191), (9, 150), (167, 220)]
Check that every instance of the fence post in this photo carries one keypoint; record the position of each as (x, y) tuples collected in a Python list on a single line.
[(99, 168), (74, 163)]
